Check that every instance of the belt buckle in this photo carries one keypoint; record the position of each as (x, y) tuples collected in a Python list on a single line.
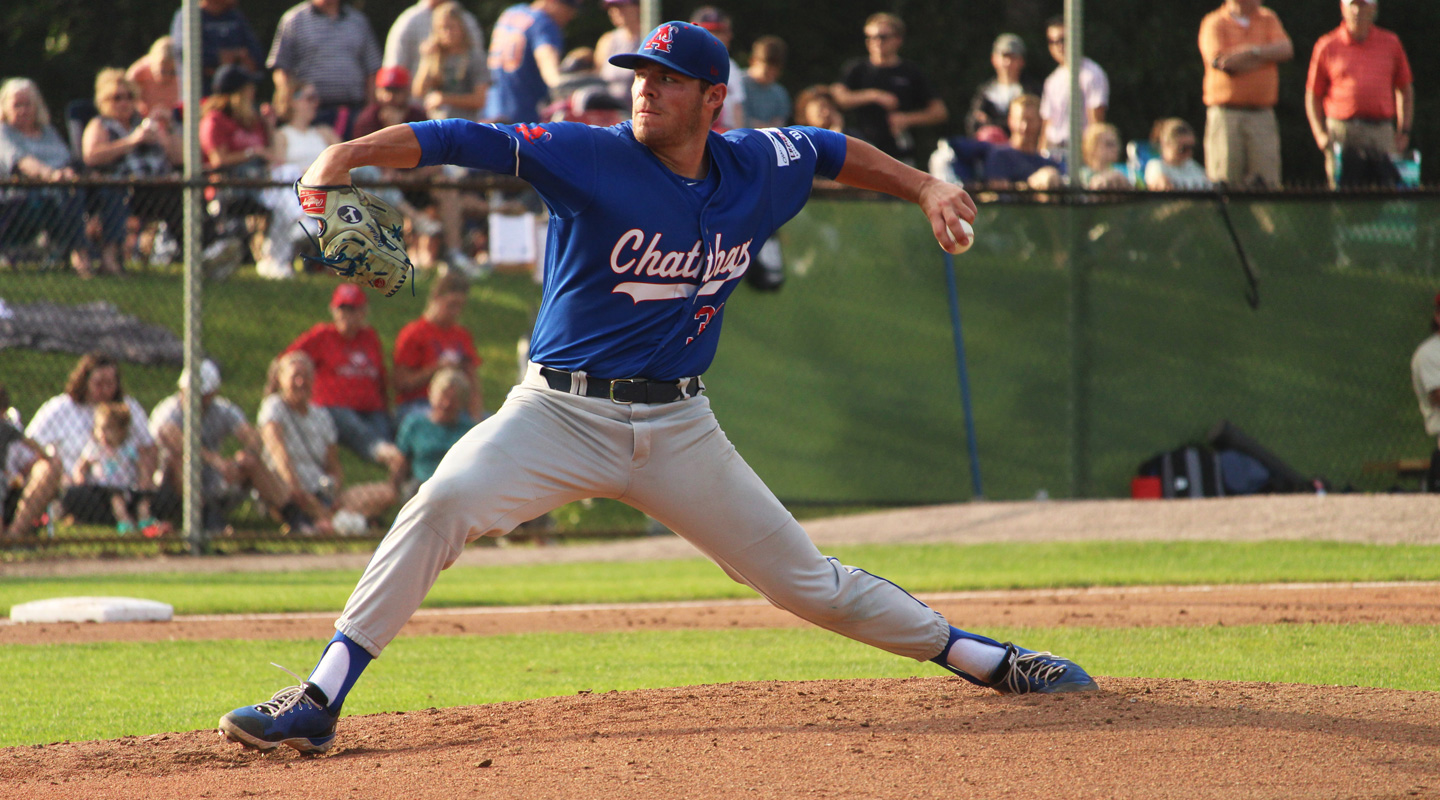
[(617, 382)]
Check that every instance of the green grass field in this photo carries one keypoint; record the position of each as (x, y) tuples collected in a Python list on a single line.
[(101, 691), (72, 692)]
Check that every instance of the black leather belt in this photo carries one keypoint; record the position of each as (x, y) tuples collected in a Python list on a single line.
[(623, 390)]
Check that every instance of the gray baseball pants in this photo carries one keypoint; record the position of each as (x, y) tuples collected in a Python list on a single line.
[(545, 448)]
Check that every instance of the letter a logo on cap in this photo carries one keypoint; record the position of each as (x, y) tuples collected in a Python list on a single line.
[(660, 40)]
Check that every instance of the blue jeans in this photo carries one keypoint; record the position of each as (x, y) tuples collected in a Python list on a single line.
[(362, 431)]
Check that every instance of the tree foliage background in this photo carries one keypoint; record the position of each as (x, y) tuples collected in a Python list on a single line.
[(1148, 48)]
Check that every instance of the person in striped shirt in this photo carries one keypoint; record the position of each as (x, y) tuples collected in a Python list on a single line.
[(332, 47)]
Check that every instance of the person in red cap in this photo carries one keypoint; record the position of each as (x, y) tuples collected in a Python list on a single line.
[(350, 380), (392, 105)]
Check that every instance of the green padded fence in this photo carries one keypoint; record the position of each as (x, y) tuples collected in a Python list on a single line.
[(1098, 334)]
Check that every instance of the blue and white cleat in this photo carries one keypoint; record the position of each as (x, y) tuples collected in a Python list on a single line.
[(296, 716), (1027, 671)]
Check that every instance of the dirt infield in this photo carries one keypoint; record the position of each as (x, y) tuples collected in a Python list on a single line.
[(916, 738)]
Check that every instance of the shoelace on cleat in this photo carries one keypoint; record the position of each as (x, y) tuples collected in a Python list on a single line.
[(287, 698), (1032, 666)]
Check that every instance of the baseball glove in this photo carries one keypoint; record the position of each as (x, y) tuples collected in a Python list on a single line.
[(360, 236)]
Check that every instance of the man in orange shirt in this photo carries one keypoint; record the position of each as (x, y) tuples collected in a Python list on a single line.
[(1241, 43), (1360, 93)]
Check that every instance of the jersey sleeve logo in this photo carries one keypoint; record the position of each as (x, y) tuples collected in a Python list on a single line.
[(785, 151), (533, 133), (661, 40)]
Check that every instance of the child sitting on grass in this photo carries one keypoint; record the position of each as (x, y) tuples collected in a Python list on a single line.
[(113, 465)]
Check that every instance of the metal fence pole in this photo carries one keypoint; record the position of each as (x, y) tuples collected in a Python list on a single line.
[(194, 222)]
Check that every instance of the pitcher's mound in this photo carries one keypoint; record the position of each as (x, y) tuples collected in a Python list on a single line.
[(903, 739)]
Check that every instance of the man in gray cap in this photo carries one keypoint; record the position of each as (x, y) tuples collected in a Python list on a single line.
[(224, 479), (992, 100)]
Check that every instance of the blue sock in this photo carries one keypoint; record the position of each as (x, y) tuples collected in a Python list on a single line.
[(340, 666)]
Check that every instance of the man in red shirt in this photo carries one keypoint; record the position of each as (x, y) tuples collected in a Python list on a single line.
[(350, 379), (1360, 93), (434, 341)]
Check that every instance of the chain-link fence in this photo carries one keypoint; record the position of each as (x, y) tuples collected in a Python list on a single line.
[(1099, 333)]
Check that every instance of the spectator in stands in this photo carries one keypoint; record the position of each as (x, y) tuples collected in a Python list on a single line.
[(591, 106), (458, 71), (767, 104), (235, 142), (577, 74), (623, 38), (1176, 168), (1016, 163), (1055, 101), (732, 114), (1425, 380), (426, 437), (120, 142), (1359, 94), (29, 478), (63, 425), (525, 51), (991, 103), (235, 138), (296, 145), (107, 476), (155, 77), (31, 148), (1241, 42), (299, 439), (451, 79), (816, 107), (393, 104), (1100, 150), (887, 96), (224, 479), (331, 46), (225, 38), (434, 342), (350, 381)]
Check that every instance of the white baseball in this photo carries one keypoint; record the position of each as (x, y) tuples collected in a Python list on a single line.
[(969, 234)]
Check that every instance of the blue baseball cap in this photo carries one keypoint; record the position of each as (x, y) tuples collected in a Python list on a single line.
[(687, 49)]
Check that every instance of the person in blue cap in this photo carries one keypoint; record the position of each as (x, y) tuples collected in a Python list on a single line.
[(652, 224)]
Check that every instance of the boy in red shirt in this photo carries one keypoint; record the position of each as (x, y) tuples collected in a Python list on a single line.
[(350, 379), (434, 341)]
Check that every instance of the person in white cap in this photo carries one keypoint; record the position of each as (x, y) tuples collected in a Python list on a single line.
[(224, 479)]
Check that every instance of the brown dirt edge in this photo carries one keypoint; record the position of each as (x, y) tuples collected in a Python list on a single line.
[(1328, 603), (912, 738)]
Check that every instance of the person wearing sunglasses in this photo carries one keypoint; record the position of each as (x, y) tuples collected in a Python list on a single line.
[(886, 96), (1055, 100), (120, 142), (1176, 168)]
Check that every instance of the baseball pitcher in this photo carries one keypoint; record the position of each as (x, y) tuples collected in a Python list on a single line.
[(653, 223)]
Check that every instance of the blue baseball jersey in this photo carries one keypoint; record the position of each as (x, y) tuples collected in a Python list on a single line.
[(639, 261), (516, 87)]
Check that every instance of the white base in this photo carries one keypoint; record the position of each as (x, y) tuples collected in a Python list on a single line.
[(92, 609)]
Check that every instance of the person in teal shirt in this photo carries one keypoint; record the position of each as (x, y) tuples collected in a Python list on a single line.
[(425, 438)]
